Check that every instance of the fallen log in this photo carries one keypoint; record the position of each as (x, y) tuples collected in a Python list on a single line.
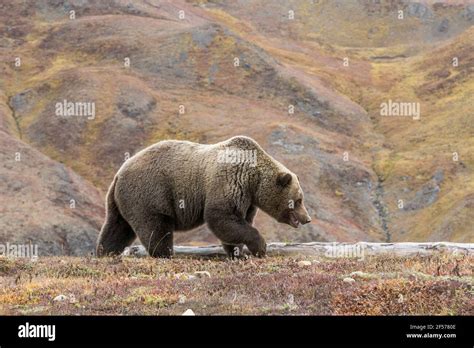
[(350, 250)]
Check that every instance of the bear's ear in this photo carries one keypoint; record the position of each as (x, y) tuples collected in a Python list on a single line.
[(283, 179)]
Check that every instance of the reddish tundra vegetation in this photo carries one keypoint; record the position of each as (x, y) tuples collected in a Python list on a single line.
[(436, 284)]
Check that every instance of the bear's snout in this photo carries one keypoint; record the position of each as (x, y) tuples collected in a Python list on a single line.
[(302, 215), (304, 219)]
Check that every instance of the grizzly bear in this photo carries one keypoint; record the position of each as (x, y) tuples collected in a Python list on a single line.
[(179, 185)]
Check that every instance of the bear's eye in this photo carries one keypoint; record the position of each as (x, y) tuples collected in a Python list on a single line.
[(298, 202)]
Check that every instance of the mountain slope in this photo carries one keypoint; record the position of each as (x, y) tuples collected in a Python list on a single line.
[(238, 69)]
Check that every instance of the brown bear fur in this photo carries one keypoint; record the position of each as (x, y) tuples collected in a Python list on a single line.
[(179, 185)]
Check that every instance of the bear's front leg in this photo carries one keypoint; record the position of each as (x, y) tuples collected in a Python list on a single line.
[(233, 230), (234, 251), (257, 246)]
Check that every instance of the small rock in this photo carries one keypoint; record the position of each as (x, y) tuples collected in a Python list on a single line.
[(348, 280), (202, 274), (291, 299), (135, 251), (60, 298), (188, 312), (357, 273), (181, 299), (184, 276), (360, 274), (304, 263)]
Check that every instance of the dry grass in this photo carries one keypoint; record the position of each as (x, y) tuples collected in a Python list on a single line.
[(439, 284)]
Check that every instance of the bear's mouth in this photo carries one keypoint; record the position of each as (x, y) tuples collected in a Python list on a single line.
[(293, 219)]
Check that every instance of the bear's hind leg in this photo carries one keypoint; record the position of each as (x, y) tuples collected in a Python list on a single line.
[(116, 234), (114, 237), (156, 235)]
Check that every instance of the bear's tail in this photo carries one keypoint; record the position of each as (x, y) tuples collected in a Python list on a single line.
[(116, 234)]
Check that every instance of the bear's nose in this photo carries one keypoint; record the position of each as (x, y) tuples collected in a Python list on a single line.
[(308, 220)]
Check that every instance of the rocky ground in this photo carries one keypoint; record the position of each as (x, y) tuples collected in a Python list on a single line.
[(438, 283)]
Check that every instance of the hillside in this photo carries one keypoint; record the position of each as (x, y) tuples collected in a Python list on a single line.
[(53, 207), (413, 161), (190, 64)]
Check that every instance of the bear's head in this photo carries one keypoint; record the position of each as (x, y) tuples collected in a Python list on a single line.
[(281, 197)]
